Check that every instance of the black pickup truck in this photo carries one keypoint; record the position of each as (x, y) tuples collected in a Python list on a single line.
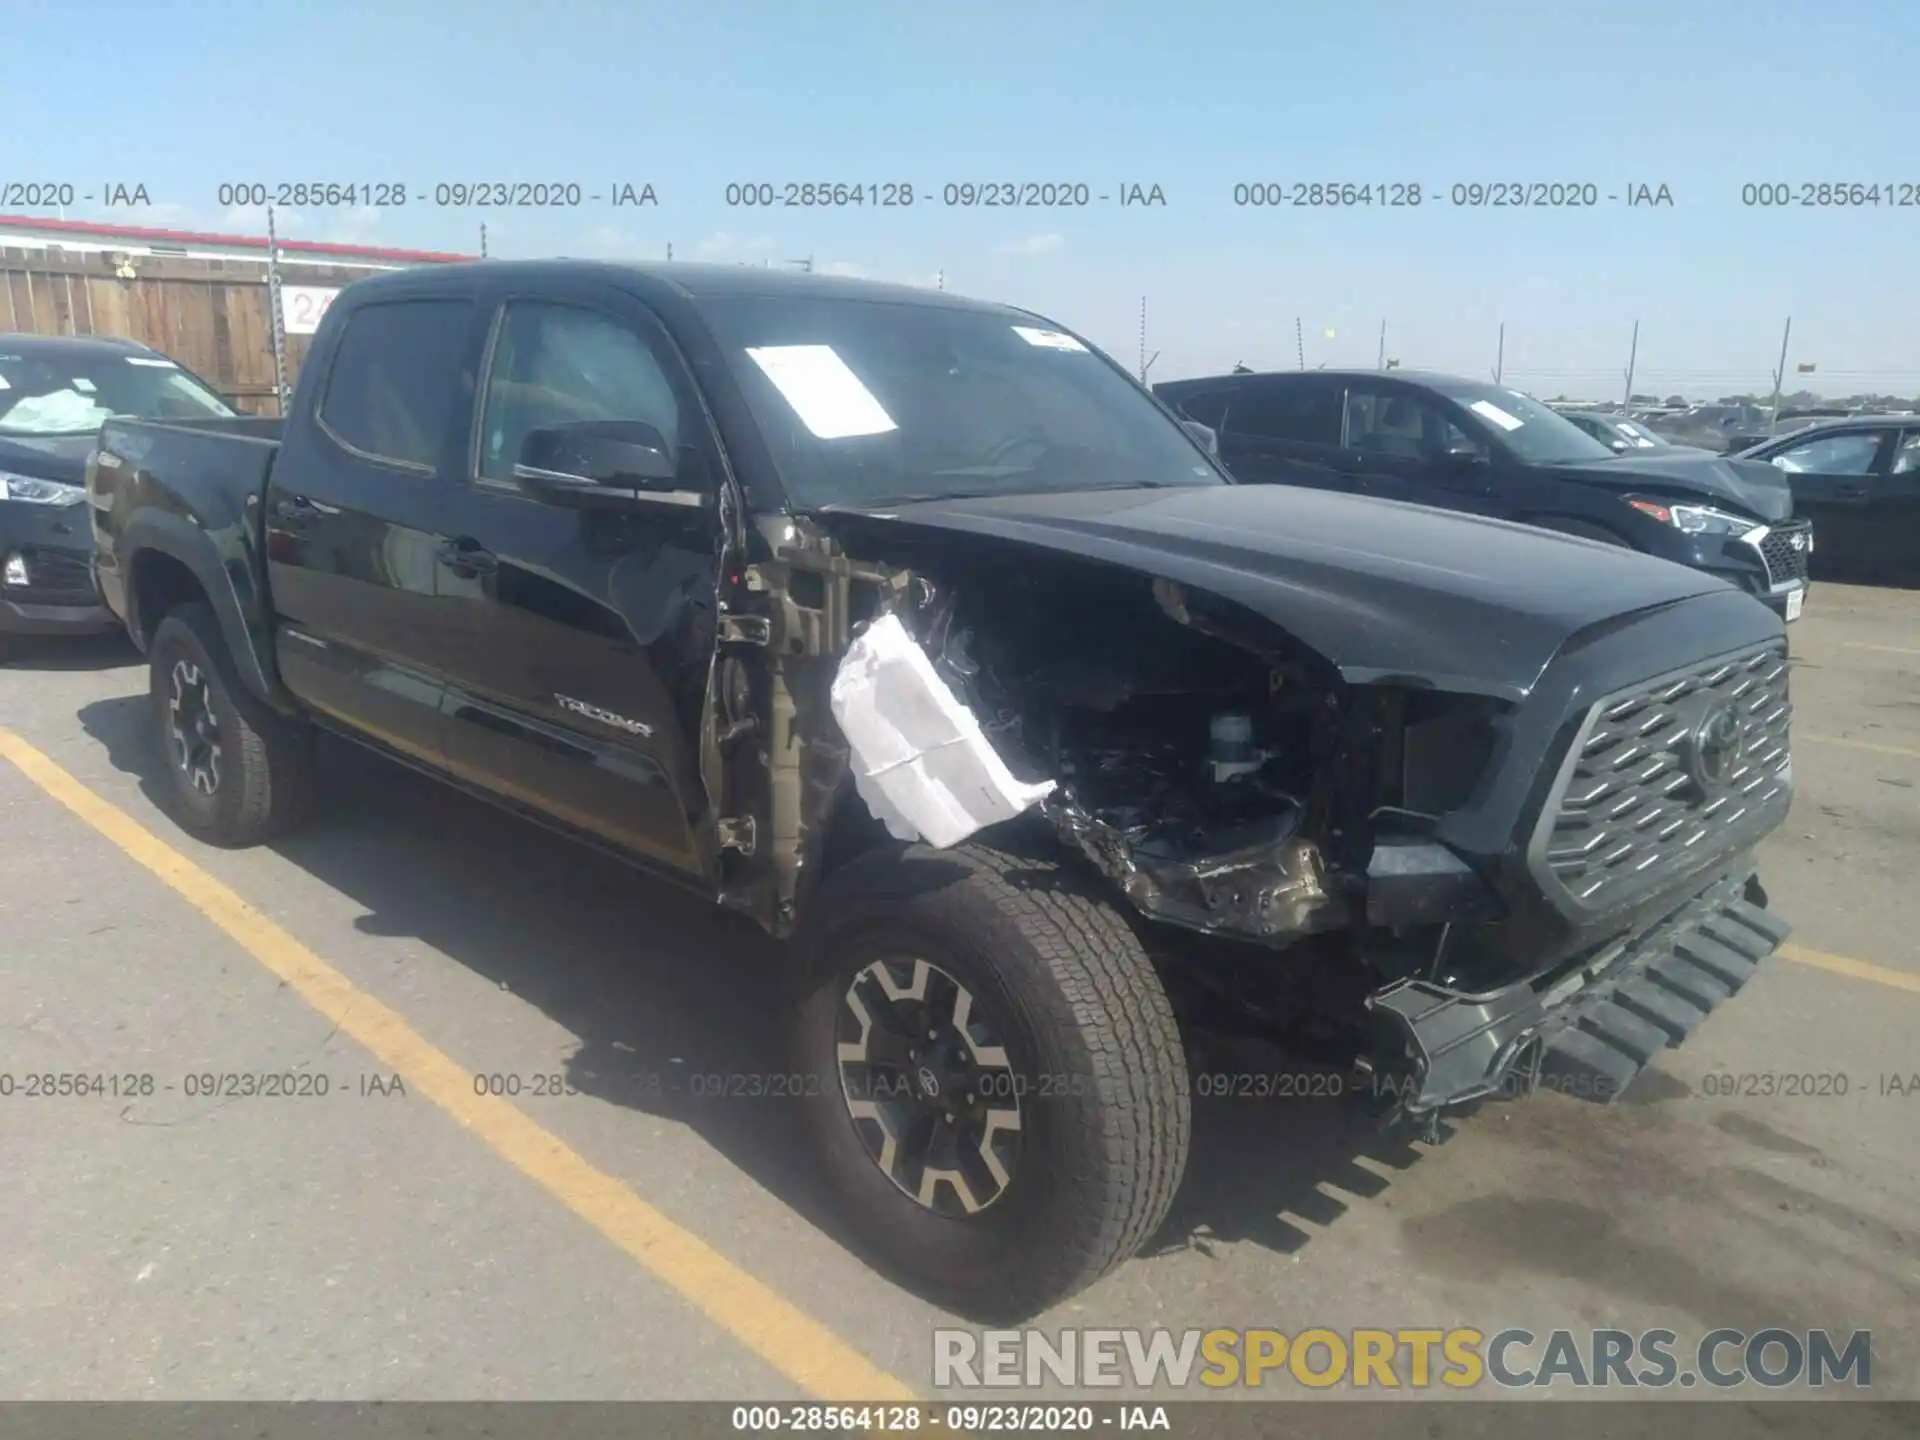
[(914, 629)]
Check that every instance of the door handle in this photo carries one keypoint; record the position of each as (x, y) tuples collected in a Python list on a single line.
[(467, 558)]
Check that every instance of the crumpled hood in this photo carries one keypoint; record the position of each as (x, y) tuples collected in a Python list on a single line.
[(1751, 487), (50, 457), (1383, 590)]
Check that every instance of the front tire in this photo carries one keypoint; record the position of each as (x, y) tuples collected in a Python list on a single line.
[(996, 1085), (237, 773)]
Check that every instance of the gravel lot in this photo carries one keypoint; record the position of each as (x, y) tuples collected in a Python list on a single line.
[(634, 1238)]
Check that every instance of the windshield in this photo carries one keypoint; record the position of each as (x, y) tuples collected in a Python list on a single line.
[(1642, 439), (881, 402), (1534, 434), (73, 391)]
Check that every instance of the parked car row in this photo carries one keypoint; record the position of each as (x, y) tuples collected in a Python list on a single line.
[(914, 630)]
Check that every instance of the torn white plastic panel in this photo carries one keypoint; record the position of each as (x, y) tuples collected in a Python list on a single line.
[(920, 760), (826, 395)]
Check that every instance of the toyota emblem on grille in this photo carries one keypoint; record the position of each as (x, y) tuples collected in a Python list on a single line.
[(1714, 747), (1799, 542)]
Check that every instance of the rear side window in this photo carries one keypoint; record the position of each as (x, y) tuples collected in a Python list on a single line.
[(1206, 406), (1308, 413), (395, 377)]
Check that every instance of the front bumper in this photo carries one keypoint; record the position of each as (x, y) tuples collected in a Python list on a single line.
[(1589, 1027), (1769, 562), (55, 545)]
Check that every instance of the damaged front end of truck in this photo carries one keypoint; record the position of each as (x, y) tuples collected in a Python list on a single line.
[(1338, 856)]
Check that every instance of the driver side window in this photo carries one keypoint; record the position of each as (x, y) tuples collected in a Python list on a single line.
[(559, 364), (1397, 423), (1832, 455)]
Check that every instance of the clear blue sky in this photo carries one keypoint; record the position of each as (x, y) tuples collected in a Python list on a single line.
[(1702, 96)]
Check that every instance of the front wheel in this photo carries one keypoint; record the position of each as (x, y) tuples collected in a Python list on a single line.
[(998, 1092)]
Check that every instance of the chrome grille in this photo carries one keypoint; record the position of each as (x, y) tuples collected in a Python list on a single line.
[(1786, 561), (1634, 809)]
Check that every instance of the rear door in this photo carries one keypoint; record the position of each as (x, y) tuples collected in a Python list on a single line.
[(356, 501), (1836, 476), (583, 694), (1283, 430), (1896, 507)]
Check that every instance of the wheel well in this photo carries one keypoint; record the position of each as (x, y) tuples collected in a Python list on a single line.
[(851, 830), (159, 583)]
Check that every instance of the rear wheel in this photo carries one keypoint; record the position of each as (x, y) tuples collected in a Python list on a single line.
[(237, 773), (996, 1084)]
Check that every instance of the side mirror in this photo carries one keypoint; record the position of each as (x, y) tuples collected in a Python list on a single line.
[(1619, 447), (1208, 437), (600, 464)]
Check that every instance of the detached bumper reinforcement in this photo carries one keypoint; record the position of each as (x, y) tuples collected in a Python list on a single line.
[(1588, 1032)]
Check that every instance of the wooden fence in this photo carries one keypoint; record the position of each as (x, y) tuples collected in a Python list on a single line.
[(213, 316)]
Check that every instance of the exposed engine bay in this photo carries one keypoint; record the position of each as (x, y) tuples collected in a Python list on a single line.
[(1186, 766)]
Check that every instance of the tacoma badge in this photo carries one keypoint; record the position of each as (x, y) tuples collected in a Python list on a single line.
[(605, 717)]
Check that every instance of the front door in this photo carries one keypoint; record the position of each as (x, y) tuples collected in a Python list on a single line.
[(355, 503), (1403, 446), (1836, 480), (593, 630)]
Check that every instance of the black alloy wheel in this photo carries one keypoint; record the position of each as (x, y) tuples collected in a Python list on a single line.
[(929, 1086), (192, 729)]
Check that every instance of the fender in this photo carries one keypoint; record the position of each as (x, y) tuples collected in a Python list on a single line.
[(230, 588)]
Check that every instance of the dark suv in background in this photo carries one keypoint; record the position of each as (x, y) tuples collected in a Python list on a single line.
[(1465, 445)]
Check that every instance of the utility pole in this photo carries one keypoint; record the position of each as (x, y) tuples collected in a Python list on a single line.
[(1382, 364), (1300, 342), (1500, 355), (279, 318), (1143, 339), (940, 280), (669, 250), (1633, 353), (1779, 374), (483, 239)]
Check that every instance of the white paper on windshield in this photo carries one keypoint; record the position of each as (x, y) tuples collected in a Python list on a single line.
[(1047, 339), (156, 364), (83, 384), (826, 395), (62, 410), (1487, 410), (3, 383)]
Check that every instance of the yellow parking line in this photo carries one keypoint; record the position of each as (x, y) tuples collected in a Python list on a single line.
[(1858, 969), (1860, 745), (795, 1344)]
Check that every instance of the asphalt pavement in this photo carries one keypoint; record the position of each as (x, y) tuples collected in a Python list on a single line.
[(424, 1103)]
